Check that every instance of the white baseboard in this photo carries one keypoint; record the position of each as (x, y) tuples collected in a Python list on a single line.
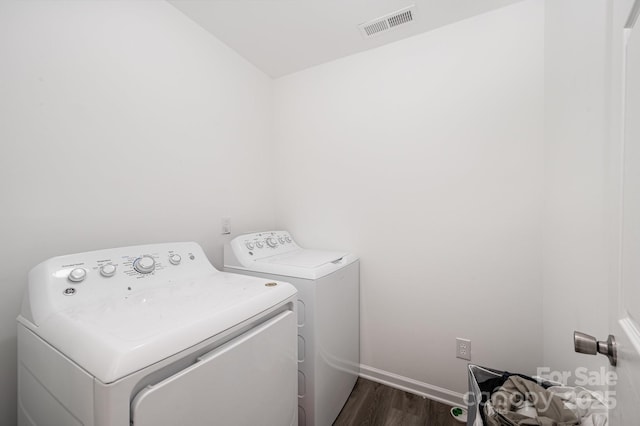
[(412, 386)]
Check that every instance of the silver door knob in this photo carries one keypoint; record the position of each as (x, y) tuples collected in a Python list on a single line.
[(585, 344)]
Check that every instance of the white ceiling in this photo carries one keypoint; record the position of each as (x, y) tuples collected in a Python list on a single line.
[(284, 36)]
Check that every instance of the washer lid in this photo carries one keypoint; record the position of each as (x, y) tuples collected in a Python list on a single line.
[(300, 263), (115, 325), (306, 258)]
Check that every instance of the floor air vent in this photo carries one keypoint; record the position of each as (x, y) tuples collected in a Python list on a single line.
[(387, 22)]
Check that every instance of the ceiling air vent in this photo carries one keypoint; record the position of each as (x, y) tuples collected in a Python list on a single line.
[(387, 22)]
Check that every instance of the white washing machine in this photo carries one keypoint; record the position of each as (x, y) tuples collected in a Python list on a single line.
[(154, 335), (328, 286)]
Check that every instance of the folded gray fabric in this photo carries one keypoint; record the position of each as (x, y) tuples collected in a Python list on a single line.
[(523, 402)]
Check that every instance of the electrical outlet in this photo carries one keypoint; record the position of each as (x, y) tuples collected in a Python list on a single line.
[(226, 225), (463, 348)]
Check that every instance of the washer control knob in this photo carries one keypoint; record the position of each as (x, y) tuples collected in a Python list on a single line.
[(107, 270), (77, 275), (288, 238), (249, 245), (281, 239), (271, 242), (175, 259), (259, 244), (145, 264)]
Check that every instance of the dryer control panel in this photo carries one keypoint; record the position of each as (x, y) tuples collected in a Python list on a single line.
[(64, 282)]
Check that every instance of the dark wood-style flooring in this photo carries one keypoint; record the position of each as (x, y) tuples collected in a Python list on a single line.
[(374, 404)]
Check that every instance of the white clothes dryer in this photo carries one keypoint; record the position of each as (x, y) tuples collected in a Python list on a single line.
[(328, 284), (154, 335)]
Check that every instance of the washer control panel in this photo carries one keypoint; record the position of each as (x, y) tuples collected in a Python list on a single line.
[(264, 244)]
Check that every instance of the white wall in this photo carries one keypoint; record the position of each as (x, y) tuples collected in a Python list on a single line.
[(575, 221), (120, 123), (425, 157)]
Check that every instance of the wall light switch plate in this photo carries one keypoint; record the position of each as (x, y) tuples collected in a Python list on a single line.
[(463, 348), (226, 225)]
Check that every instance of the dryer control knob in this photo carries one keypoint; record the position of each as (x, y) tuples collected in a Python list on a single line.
[(175, 259), (281, 239), (144, 264), (288, 239), (271, 242), (259, 244), (107, 270), (249, 245), (77, 275)]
